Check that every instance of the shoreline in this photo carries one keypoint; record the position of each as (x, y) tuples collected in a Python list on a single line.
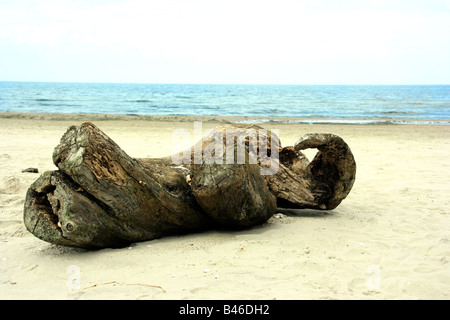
[(387, 240), (219, 119)]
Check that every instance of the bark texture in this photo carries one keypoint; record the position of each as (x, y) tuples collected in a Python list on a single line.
[(101, 197)]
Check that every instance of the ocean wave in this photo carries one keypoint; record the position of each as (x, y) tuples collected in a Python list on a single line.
[(344, 121), (45, 100), (378, 104), (182, 97), (399, 113)]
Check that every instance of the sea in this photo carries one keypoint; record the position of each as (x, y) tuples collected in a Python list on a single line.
[(363, 104)]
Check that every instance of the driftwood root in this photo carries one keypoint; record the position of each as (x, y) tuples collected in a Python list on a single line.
[(101, 197)]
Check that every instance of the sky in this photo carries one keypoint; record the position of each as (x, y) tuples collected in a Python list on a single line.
[(226, 41)]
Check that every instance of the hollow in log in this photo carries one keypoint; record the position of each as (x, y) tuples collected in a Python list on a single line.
[(101, 197)]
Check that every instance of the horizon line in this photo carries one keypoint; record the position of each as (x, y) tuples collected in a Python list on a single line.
[(231, 84)]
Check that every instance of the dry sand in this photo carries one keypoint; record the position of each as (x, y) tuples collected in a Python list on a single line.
[(390, 239)]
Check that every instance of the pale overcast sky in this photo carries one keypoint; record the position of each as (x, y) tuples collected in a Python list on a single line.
[(226, 41)]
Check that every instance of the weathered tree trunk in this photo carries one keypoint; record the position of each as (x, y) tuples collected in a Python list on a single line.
[(233, 192), (101, 197), (59, 211), (127, 199)]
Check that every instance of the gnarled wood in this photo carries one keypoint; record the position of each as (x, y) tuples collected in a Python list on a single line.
[(101, 197), (138, 203), (333, 166)]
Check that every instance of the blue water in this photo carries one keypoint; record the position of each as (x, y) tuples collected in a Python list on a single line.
[(340, 103)]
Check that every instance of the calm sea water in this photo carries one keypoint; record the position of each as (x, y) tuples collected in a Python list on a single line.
[(364, 104)]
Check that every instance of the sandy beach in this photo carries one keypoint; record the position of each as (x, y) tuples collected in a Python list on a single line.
[(390, 239)]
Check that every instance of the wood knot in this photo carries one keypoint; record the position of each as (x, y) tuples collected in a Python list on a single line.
[(142, 183)]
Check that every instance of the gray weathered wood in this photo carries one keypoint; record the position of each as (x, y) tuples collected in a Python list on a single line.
[(101, 197)]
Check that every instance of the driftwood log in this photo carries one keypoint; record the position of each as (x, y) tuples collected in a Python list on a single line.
[(101, 197)]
